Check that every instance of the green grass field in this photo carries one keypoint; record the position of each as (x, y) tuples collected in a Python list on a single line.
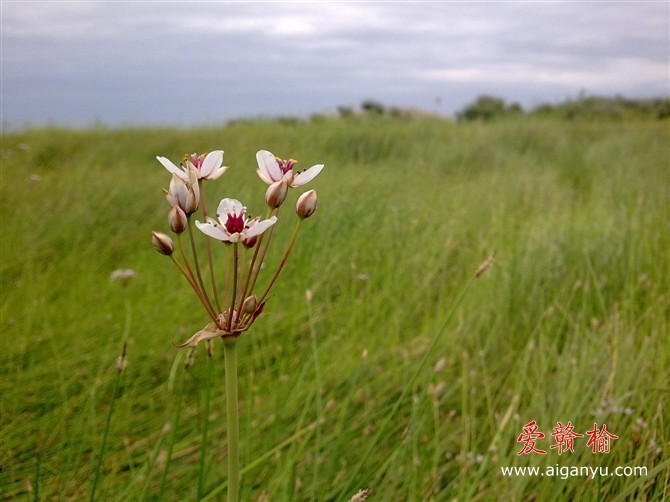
[(570, 324)]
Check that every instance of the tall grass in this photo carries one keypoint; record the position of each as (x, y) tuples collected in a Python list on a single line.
[(571, 323)]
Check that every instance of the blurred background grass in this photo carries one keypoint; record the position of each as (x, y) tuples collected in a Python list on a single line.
[(571, 323)]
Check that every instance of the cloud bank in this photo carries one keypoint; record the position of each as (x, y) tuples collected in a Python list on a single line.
[(196, 62)]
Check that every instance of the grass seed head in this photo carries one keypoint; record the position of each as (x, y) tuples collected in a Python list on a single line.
[(361, 495), (485, 265)]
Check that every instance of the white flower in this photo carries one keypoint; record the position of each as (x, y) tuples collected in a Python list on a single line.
[(233, 225), (207, 166), (272, 169)]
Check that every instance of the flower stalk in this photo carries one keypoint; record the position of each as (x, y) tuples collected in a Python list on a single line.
[(230, 356)]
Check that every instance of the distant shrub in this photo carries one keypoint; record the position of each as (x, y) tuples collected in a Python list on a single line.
[(488, 108), (345, 111), (287, 120), (372, 107), (611, 108), (317, 118), (515, 108)]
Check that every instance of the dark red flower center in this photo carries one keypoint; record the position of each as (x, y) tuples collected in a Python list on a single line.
[(235, 223), (286, 165)]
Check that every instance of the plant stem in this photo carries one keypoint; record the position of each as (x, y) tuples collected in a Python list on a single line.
[(230, 354), (253, 274), (232, 301), (195, 288), (319, 393), (305, 431), (36, 493), (197, 265), (174, 423), (105, 434), (212, 275), (205, 429)]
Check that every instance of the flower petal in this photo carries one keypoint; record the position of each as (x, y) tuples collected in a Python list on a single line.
[(307, 175), (229, 206), (212, 230), (268, 168), (260, 227), (217, 172), (213, 160), (167, 164)]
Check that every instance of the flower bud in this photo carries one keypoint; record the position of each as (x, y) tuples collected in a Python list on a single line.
[(306, 204), (276, 193), (249, 305), (177, 219), (184, 193), (250, 242), (162, 243)]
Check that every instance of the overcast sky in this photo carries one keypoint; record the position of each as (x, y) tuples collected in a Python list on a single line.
[(190, 62)]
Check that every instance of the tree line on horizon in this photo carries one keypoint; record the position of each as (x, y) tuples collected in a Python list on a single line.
[(488, 107)]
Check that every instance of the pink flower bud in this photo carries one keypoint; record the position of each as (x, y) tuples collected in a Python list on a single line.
[(276, 193), (306, 204), (162, 243), (177, 219)]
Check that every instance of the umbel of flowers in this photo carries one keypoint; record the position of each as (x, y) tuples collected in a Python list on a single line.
[(236, 305), (228, 291)]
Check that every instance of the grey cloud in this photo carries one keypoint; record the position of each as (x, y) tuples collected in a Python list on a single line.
[(186, 61)]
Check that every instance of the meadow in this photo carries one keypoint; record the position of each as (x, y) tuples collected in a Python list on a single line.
[(380, 361)]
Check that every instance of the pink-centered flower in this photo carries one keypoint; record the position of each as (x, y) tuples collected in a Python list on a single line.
[(207, 166), (272, 169), (232, 223)]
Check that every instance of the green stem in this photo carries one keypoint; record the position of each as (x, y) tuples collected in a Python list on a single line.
[(205, 429), (36, 493), (319, 393), (305, 431), (105, 434), (230, 354), (176, 417)]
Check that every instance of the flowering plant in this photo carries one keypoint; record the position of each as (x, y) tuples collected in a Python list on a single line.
[(233, 308)]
